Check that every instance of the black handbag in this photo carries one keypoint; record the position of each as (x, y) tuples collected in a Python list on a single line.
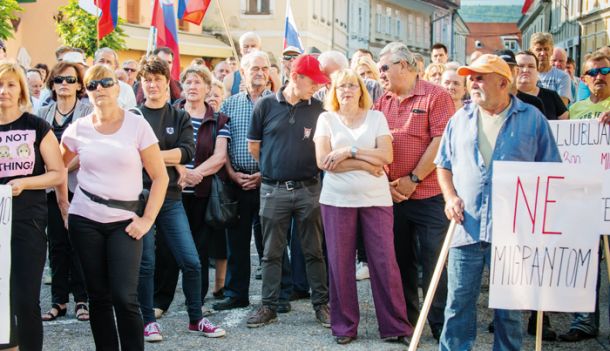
[(222, 203)]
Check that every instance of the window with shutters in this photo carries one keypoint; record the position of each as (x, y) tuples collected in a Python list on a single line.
[(258, 7), (389, 20)]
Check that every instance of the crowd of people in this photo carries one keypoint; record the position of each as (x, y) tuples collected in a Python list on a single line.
[(341, 170)]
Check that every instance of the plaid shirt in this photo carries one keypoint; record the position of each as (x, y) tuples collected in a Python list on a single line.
[(239, 108), (413, 123)]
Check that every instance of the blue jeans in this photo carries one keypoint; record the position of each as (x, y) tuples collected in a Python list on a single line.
[(173, 225), (464, 270)]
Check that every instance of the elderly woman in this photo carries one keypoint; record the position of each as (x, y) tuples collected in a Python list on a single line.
[(216, 95), (353, 143), (106, 219), (211, 139), (174, 130), (66, 86), (36, 149), (433, 73), (365, 67), (455, 86)]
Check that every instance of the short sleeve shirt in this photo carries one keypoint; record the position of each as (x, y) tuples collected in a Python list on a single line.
[(586, 109), (20, 157), (558, 81), (413, 122), (354, 188), (102, 157)]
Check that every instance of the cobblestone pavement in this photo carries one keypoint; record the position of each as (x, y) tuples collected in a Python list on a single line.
[(297, 330)]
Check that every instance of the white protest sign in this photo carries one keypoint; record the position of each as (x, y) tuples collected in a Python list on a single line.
[(544, 253), (6, 214), (584, 143)]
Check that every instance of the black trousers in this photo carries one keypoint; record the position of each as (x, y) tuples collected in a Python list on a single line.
[(28, 254), (111, 264), (166, 268), (65, 267)]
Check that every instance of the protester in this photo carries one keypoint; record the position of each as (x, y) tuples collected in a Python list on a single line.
[(175, 89), (43, 69), (439, 54), (571, 71), (121, 75), (232, 61), (29, 205), (434, 72), (353, 143), (66, 84), (108, 57), (361, 52), (216, 96), (417, 112), (288, 55), (527, 79), (131, 67), (333, 61), (210, 157), (291, 186), (552, 78), (559, 59), (221, 70), (455, 86), (174, 130), (483, 128), (596, 70), (35, 84), (366, 68), (110, 259)]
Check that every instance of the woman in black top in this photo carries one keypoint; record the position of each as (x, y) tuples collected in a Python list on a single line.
[(66, 85), (30, 162)]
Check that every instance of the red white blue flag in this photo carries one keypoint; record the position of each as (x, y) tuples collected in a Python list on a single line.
[(192, 10), (164, 19), (291, 34), (109, 18)]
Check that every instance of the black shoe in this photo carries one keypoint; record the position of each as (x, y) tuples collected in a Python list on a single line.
[(575, 335), (283, 307), (230, 303), (436, 334), (548, 334), (259, 273), (405, 340), (490, 327), (299, 295), (344, 340), (220, 294)]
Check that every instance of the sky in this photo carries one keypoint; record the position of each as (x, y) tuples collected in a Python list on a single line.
[(491, 2)]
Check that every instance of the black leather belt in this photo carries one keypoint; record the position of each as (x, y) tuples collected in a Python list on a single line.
[(290, 184), (133, 206)]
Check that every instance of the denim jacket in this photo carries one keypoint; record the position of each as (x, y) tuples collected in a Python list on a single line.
[(524, 136)]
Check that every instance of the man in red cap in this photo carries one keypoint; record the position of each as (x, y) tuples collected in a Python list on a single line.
[(281, 139)]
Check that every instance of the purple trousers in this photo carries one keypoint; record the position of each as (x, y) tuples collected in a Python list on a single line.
[(376, 223)]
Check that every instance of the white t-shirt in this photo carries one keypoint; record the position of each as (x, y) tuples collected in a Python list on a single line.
[(354, 188), (127, 98), (110, 165)]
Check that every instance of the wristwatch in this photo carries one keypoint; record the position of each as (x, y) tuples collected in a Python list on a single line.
[(415, 179), (353, 151)]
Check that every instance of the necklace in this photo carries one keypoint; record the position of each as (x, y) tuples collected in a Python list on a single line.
[(67, 113)]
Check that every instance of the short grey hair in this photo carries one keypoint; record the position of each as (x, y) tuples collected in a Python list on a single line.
[(128, 62), (247, 60), (333, 56), (102, 51), (248, 36), (399, 52)]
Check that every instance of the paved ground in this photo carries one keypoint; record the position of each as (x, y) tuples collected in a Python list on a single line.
[(296, 330)]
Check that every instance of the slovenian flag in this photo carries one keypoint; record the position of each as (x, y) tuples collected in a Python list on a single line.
[(109, 18), (192, 10), (164, 19), (291, 35)]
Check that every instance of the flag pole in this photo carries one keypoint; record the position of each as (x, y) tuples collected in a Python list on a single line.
[(224, 23), (97, 32)]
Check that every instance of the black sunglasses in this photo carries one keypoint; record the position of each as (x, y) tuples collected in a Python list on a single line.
[(290, 57), (104, 82), (67, 79), (595, 71), (385, 68), (127, 69)]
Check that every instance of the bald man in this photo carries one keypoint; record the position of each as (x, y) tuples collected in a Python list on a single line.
[(559, 59)]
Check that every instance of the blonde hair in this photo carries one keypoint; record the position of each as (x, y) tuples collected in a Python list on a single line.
[(369, 63), (9, 67), (332, 102), (218, 84), (428, 72), (98, 72), (541, 38)]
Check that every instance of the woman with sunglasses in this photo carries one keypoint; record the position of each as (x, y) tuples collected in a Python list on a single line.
[(66, 86), (174, 130), (105, 218), (30, 163)]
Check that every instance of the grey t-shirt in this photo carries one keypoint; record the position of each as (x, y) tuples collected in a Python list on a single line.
[(557, 80)]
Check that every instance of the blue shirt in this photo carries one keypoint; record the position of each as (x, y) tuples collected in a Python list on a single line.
[(524, 136)]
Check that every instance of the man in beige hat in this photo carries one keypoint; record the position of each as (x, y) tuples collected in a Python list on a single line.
[(483, 128)]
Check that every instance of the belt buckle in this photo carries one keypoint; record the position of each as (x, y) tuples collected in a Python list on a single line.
[(289, 185)]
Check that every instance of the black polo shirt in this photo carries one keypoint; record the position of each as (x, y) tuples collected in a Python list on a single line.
[(285, 131)]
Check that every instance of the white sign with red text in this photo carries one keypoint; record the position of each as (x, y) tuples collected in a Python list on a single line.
[(545, 238), (6, 214)]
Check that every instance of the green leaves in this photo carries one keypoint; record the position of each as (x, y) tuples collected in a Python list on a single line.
[(77, 28), (8, 12)]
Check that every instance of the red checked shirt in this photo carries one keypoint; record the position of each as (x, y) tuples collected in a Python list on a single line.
[(413, 123)]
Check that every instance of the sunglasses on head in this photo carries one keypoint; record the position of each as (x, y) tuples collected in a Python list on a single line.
[(104, 82), (595, 71), (67, 79)]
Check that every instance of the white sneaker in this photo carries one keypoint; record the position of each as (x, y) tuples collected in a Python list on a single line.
[(206, 328), (362, 271), (152, 332)]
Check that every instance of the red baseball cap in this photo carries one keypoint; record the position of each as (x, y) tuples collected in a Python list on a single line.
[(309, 66)]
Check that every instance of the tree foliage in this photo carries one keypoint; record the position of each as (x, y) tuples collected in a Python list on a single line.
[(77, 28), (8, 13)]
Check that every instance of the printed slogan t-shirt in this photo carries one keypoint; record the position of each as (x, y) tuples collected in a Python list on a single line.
[(20, 157), (110, 165), (586, 109)]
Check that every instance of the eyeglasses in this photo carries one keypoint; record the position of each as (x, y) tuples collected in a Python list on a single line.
[(67, 79), (290, 57), (348, 86), (595, 71), (104, 82), (127, 69), (385, 68)]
